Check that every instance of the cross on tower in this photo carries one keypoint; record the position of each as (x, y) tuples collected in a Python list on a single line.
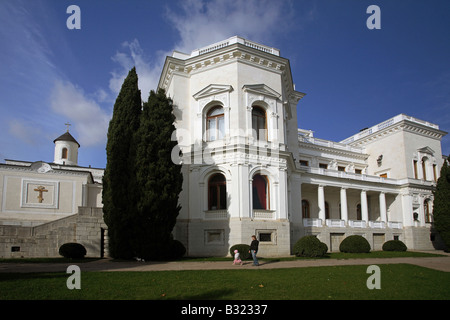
[(67, 125), (40, 189)]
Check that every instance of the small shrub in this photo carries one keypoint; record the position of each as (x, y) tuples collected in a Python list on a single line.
[(355, 244), (72, 250), (394, 245), (243, 251), (310, 246)]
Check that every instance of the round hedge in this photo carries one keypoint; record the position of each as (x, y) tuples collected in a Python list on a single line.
[(394, 245), (72, 250), (310, 246), (355, 244), (243, 250)]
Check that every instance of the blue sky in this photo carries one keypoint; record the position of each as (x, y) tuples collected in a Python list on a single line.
[(353, 77)]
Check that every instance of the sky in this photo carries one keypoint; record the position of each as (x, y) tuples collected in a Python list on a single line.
[(354, 77)]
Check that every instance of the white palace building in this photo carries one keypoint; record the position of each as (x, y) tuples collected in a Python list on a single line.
[(248, 169)]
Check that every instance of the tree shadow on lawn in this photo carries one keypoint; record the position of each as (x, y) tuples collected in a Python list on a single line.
[(209, 295)]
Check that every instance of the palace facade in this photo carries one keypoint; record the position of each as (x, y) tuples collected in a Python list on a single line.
[(248, 169)]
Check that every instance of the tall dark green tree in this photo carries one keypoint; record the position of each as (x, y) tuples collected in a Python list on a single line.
[(158, 178), (441, 205), (119, 202)]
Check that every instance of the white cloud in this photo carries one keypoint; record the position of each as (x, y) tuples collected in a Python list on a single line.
[(26, 132), (203, 22), (148, 71), (89, 119)]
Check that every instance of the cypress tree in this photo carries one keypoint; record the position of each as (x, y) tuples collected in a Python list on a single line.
[(441, 205), (119, 179), (158, 179)]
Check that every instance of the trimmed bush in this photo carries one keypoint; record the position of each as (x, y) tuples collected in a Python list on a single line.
[(243, 251), (394, 245), (72, 250), (310, 246), (355, 244)]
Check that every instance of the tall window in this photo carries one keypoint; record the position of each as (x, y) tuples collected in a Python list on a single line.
[(424, 168), (358, 212), (64, 153), (415, 169), (426, 209), (259, 124), (260, 192), (217, 192), (305, 209), (215, 124), (327, 210)]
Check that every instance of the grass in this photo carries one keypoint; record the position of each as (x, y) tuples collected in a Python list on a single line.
[(399, 281)]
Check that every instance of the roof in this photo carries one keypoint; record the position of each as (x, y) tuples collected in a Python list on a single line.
[(66, 137)]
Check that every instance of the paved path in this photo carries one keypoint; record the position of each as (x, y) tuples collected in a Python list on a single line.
[(437, 263)]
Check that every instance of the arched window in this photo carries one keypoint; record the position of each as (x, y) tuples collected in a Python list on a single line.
[(259, 124), (305, 209), (64, 153), (217, 192), (215, 124), (260, 192)]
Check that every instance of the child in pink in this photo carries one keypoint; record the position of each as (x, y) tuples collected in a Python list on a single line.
[(237, 258)]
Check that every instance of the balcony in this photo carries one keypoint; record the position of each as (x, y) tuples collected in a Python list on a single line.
[(357, 223), (263, 214), (216, 214), (312, 222), (339, 223), (335, 223)]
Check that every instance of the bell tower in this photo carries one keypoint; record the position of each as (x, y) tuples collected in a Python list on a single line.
[(66, 149)]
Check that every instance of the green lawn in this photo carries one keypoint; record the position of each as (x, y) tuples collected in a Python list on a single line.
[(400, 281)]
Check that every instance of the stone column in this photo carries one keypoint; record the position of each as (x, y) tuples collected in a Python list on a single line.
[(344, 212), (321, 201), (364, 209), (383, 216)]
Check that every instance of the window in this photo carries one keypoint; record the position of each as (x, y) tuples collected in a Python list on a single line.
[(304, 163), (260, 192), (340, 168), (323, 165), (217, 192), (434, 172), (305, 209), (358, 212), (64, 153), (259, 123), (358, 171), (265, 237), (415, 169), (383, 175), (424, 168), (327, 210), (426, 209), (215, 124)]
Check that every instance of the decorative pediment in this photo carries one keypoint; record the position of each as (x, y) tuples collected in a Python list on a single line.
[(41, 167), (211, 90), (261, 89), (427, 150)]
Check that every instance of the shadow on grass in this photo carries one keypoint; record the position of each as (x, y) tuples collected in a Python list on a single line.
[(211, 295)]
